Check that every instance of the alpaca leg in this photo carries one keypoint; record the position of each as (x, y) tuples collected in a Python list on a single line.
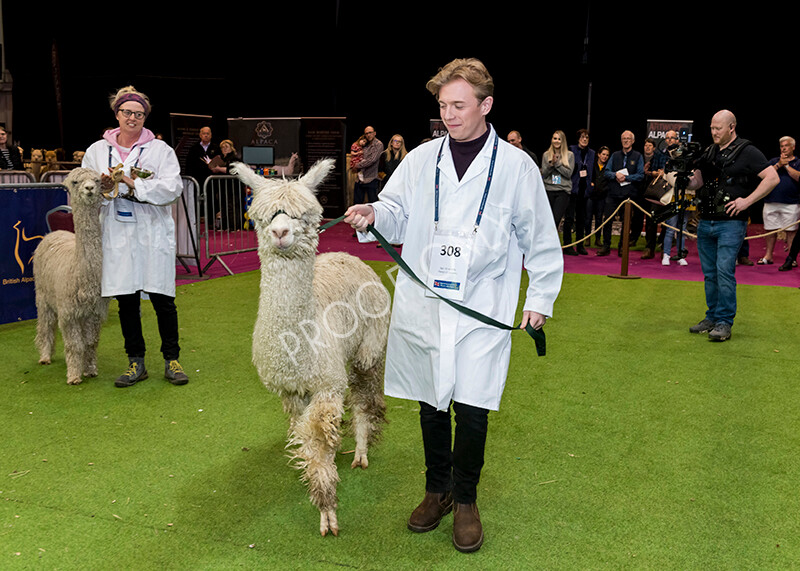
[(367, 409), (73, 349), (317, 433), (91, 334), (294, 405), (45, 332)]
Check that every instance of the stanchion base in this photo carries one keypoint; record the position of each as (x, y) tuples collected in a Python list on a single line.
[(621, 277)]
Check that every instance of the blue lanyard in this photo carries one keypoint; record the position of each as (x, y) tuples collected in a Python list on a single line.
[(485, 190), (136, 164)]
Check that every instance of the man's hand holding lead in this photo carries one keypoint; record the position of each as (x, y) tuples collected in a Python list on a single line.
[(359, 216)]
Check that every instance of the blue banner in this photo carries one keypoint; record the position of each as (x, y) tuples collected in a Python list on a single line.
[(23, 224)]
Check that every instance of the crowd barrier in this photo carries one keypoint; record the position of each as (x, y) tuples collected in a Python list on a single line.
[(24, 221), (225, 228)]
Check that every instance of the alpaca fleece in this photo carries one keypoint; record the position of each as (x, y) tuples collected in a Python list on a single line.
[(319, 339), (67, 269)]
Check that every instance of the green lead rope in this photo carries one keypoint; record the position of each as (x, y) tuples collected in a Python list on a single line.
[(536, 334)]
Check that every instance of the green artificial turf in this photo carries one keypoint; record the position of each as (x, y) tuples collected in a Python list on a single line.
[(631, 445)]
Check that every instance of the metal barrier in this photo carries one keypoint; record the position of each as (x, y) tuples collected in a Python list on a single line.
[(186, 213), (16, 177), (225, 228), (54, 176)]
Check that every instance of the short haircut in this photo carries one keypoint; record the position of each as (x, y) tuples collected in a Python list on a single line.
[(470, 70)]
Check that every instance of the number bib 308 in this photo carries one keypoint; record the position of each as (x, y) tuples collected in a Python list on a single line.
[(450, 253)]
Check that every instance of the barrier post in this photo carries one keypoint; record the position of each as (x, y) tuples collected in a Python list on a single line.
[(624, 245)]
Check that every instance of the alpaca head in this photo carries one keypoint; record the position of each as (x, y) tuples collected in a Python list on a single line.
[(286, 212), (83, 186)]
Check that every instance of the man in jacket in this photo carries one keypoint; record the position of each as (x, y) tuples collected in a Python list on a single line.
[(582, 179), (474, 195), (624, 173)]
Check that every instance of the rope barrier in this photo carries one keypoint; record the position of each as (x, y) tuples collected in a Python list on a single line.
[(685, 233)]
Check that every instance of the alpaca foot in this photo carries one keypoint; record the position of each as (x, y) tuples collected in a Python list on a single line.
[(360, 461), (74, 381), (44, 361), (328, 522)]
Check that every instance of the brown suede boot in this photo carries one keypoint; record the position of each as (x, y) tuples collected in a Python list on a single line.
[(430, 512), (467, 528)]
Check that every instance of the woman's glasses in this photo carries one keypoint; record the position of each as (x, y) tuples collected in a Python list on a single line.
[(127, 113)]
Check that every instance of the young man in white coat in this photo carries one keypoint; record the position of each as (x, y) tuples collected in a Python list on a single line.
[(469, 209)]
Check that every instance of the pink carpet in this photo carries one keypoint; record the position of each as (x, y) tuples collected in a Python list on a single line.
[(340, 238)]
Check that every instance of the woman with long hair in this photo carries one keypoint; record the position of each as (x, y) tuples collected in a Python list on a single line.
[(558, 163)]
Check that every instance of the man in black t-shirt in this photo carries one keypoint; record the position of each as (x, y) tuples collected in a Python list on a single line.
[(732, 175)]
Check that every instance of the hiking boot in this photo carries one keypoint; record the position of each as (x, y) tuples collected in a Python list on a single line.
[(721, 332), (467, 528), (603, 251), (744, 261), (174, 372), (430, 512), (648, 254), (703, 327), (136, 372)]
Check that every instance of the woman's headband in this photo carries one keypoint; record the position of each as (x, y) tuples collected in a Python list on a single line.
[(132, 97)]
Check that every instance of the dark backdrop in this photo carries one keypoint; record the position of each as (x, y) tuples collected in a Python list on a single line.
[(369, 62)]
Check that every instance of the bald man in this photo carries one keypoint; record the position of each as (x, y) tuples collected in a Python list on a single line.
[(734, 175)]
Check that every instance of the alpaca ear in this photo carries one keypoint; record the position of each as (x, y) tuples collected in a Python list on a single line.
[(317, 173), (247, 175)]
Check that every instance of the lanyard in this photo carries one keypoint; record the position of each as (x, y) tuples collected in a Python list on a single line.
[(485, 190), (135, 165)]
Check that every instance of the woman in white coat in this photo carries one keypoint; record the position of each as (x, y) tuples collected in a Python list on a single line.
[(141, 177), (469, 209)]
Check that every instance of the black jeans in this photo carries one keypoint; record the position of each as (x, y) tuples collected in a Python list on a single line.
[(455, 466), (130, 320)]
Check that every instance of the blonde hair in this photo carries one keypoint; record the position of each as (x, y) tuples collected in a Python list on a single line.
[(129, 93), (233, 147), (564, 151), (470, 70), (401, 153)]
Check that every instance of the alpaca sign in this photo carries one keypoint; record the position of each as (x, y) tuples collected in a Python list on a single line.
[(23, 223)]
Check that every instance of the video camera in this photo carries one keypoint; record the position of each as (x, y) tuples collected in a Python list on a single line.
[(683, 157)]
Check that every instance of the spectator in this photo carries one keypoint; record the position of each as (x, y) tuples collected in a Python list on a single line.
[(368, 184), (199, 155), (671, 138), (391, 158), (595, 204), (516, 139), (582, 177), (356, 152), (139, 232), (654, 163), (734, 175), (782, 205), (624, 172), (558, 163), (10, 157)]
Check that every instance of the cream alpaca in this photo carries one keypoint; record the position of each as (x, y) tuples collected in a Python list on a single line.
[(67, 268), (321, 328)]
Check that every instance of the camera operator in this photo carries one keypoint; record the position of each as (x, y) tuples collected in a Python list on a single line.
[(731, 176)]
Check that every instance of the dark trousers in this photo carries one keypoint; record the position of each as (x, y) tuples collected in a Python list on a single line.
[(130, 319), (575, 217), (594, 213), (612, 203), (638, 218), (368, 190), (454, 463)]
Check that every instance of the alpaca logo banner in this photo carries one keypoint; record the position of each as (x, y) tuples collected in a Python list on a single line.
[(23, 223)]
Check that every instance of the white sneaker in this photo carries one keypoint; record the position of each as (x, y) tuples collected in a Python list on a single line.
[(682, 262), (665, 260)]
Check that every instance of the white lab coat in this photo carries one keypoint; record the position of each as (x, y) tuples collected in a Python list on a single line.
[(139, 255), (436, 354)]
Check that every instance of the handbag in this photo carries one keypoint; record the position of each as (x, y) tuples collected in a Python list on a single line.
[(659, 191)]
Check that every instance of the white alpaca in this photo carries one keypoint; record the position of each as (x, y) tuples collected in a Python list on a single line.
[(317, 314), (67, 269)]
